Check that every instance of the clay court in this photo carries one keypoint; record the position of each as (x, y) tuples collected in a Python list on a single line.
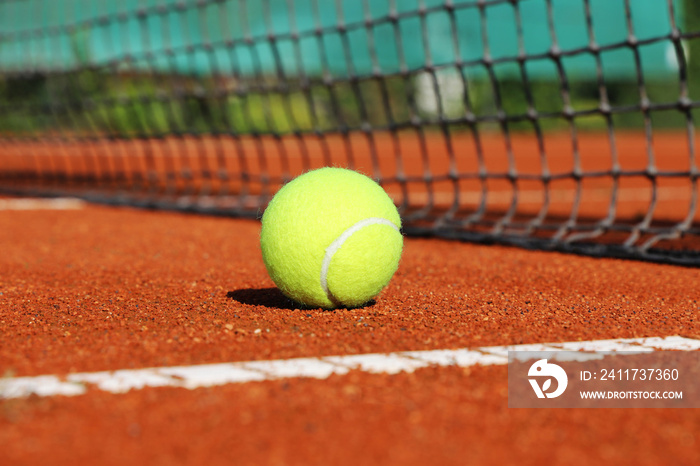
[(89, 288), (542, 156)]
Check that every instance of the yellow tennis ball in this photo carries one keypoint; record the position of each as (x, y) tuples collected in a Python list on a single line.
[(331, 238)]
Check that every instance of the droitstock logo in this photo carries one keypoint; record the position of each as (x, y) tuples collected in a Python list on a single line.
[(544, 369)]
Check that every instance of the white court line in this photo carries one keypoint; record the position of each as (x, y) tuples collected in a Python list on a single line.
[(59, 203), (208, 375)]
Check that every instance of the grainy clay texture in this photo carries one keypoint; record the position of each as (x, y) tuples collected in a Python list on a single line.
[(103, 289)]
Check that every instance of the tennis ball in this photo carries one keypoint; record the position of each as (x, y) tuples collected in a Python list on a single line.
[(331, 238)]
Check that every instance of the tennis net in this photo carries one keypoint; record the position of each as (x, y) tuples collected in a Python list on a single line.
[(550, 124)]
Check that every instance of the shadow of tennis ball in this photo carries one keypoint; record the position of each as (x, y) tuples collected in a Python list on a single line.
[(271, 298)]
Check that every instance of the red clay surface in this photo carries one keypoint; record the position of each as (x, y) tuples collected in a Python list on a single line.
[(193, 164), (101, 288)]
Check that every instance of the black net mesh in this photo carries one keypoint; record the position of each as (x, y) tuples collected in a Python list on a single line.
[(554, 124)]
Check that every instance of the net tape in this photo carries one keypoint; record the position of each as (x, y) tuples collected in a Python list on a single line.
[(538, 123)]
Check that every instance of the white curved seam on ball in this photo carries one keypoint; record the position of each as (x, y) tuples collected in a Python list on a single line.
[(338, 243)]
